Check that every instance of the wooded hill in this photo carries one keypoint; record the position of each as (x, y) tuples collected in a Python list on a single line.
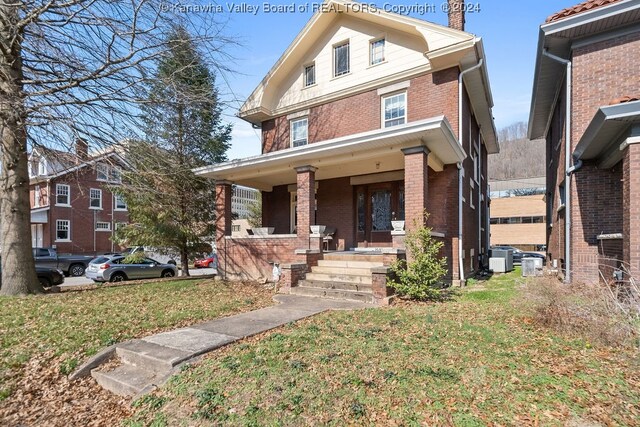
[(518, 157)]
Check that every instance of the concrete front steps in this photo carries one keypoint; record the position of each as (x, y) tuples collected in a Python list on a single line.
[(341, 276)]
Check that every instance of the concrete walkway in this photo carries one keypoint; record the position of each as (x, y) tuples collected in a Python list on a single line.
[(148, 362)]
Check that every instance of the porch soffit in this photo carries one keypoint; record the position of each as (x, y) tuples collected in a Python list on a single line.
[(608, 130), (365, 153)]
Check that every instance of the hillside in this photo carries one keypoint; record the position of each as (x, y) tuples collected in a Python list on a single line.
[(518, 157)]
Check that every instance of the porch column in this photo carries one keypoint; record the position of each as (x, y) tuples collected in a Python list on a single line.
[(306, 189), (631, 209), (416, 182), (222, 221)]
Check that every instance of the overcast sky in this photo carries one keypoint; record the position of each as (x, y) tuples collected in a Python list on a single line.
[(509, 29)]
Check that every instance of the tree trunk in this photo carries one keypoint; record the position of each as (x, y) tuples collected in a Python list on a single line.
[(184, 259), (18, 270)]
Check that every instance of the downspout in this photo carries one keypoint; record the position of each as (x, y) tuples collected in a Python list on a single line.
[(567, 166), (479, 183), (460, 260)]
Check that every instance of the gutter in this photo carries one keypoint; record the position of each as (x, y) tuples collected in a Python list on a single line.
[(460, 260), (567, 165)]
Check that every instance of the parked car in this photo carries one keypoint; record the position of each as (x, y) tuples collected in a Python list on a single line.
[(114, 269), (160, 254), (210, 261), (71, 265), (46, 276), (50, 276)]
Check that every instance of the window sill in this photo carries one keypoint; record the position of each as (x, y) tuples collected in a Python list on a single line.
[(62, 240), (377, 64), (340, 76), (121, 210), (63, 205), (94, 208), (310, 86), (103, 231)]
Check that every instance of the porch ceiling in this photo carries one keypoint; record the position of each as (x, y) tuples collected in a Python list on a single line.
[(359, 154)]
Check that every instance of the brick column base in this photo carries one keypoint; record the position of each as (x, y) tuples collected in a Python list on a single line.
[(290, 276), (381, 293)]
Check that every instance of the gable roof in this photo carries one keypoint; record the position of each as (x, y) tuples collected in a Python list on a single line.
[(69, 162), (438, 41), (579, 8)]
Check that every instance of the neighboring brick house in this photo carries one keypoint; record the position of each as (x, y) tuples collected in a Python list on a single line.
[(72, 206), (585, 104), (365, 118)]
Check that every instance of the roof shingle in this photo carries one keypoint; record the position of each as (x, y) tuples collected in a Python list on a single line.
[(579, 8)]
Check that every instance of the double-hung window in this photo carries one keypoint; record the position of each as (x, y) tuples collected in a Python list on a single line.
[(63, 195), (95, 198), (299, 132), (394, 109), (341, 59), (63, 230), (377, 51), (120, 204), (103, 226), (309, 75)]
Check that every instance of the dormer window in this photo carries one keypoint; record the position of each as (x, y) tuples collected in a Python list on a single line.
[(377, 51), (310, 75), (105, 172), (341, 59), (299, 132)]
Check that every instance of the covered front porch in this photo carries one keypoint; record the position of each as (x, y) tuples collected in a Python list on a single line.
[(355, 188)]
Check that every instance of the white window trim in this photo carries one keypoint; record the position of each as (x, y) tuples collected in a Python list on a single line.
[(68, 230), (42, 167), (36, 196), (90, 198), (68, 204), (384, 51), (406, 107), (116, 208), (304, 75), (106, 172), (291, 122), (333, 65), (108, 229)]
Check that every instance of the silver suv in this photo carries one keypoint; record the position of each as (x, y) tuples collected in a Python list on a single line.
[(113, 269)]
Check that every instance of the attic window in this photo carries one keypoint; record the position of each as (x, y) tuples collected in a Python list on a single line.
[(377, 51), (42, 167), (310, 75), (341, 59)]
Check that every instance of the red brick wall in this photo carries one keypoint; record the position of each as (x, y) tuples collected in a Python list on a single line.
[(555, 149), (602, 72), (84, 238), (249, 258), (429, 95), (631, 189), (336, 209), (276, 209)]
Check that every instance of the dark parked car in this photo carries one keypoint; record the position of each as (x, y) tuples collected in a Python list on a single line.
[(47, 276), (50, 276), (71, 265)]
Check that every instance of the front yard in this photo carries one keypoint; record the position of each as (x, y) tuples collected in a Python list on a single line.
[(43, 338), (475, 361)]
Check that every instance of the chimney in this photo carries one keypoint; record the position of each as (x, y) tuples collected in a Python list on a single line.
[(456, 14), (82, 150)]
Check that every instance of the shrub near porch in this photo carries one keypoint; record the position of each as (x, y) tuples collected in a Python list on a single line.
[(474, 361)]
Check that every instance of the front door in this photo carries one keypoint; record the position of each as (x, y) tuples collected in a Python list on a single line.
[(376, 206)]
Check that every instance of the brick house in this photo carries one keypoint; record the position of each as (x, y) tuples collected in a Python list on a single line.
[(367, 117), (72, 206), (585, 105)]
